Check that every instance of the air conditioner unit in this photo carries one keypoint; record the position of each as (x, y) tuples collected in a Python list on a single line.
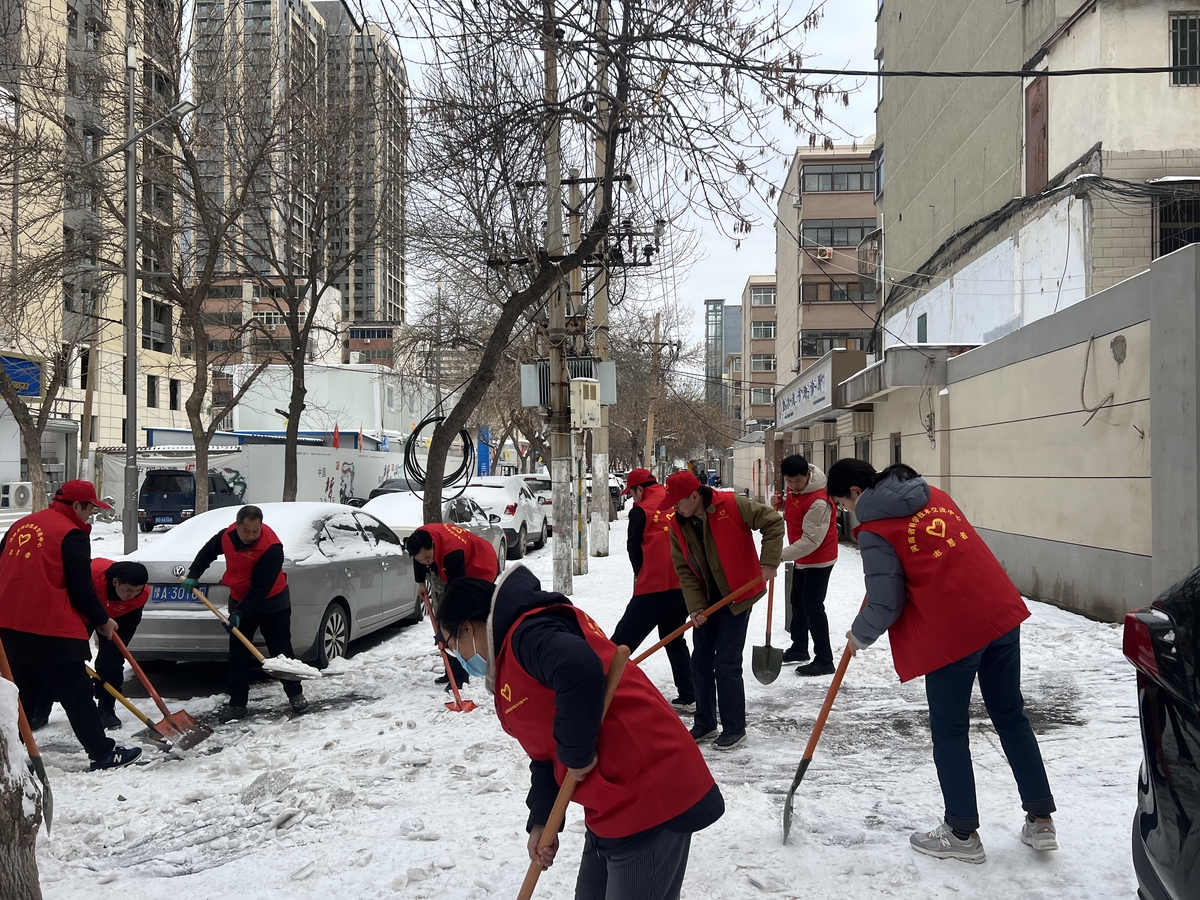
[(795, 365), (270, 328), (824, 253), (17, 495), (366, 340)]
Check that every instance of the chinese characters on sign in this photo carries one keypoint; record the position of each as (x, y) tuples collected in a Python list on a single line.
[(812, 392)]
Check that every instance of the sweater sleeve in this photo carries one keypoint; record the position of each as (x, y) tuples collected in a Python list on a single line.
[(262, 579), (633, 543), (456, 565), (77, 567), (885, 588), (813, 530), (762, 518), (543, 791), (207, 556)]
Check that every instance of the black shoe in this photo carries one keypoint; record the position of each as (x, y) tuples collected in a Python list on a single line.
[(36, 723), (108, 718), (700, 733), (795, 653), (728, 741), (298, 703), (442, 679), (683, 706), (121, 756), (816, 668), (231, 713)]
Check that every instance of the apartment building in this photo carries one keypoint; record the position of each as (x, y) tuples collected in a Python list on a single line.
[(758, 356), (722, 337), (370, 342)]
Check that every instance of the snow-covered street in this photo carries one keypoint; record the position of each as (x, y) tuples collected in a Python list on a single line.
[(380, 791)]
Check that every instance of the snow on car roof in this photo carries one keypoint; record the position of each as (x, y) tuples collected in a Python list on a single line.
[(293, 522), (397, 510)]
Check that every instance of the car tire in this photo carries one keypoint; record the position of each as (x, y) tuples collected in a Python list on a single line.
[(502, 554), (416, 616), (147, 526), (518, 552), (333, 634), (541, 541)]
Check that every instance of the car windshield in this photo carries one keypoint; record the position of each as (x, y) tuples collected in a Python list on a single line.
[(168, 483)]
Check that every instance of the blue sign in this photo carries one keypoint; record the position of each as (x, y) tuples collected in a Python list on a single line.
[(25, 374), (483, 451)]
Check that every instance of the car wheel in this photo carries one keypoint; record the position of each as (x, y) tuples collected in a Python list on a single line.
[(333, 637), (522, 544), (417, 615), (541, 541), (147, 526), (502, 553)]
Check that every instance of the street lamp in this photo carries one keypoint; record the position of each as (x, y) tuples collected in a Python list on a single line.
[(129, 519)]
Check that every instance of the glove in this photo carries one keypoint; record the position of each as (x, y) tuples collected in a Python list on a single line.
[(190, 584), (235, 621)]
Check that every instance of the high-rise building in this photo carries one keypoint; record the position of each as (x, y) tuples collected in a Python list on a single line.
[(722, 337), (759, 360)]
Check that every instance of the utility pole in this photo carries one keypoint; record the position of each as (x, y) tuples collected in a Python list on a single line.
[(560, 416), (130, 521), (580, 529), (653, 396), (601, 502)]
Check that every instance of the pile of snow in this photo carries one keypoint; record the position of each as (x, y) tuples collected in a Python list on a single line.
[(403, 513), (290, 669)]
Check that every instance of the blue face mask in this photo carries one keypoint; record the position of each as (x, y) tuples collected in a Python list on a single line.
[(476, 666)]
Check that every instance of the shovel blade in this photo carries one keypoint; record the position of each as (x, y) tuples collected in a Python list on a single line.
[(186, 732), (791, 797), (766, 663), (39, 769), (461, 706)]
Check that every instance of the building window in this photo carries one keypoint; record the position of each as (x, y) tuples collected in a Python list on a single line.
[(837, 291), (895, 448), (818, 343), (85, 366), (1185, 46), (1178, 224), (762, 362), (762, 330), (878, 90), (862, 447), (156, 326), (845, 177), (759, 396), (835, 232), (152, 391), (174, 393), (923, 328), (762, 296), (737, 364), (878, 172), (1037, 146)]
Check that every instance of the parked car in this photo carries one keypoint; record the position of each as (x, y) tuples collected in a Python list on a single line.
[(168, 496), (347, 571), (1162, 641), (614, 491), (521, 516), (404, 514), (543, 491), (399, 485)]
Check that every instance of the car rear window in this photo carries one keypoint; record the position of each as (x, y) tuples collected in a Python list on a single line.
[(168, 483)]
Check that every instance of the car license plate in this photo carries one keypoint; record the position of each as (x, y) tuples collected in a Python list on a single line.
[(164, 520), (173, 593)]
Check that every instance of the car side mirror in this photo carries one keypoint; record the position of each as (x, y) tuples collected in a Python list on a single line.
[(493, 518)]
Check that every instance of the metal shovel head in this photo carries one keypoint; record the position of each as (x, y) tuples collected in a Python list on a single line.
[(461, 705), (766, 663), (39, 769), (791, 796), (188, 733)]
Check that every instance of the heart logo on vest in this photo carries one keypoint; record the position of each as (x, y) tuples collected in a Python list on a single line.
[(24, 539), (506, 693), (937, 528)]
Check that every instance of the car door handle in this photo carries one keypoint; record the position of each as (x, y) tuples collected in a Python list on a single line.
[(349, 572), (385, 565)]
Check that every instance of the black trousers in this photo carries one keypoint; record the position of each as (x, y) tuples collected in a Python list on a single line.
[(69, 684), (666, 610), (110, 664), (808, 611), (276, 630), (643, 870)]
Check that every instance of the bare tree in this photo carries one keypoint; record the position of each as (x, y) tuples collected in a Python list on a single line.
[(20, 811)]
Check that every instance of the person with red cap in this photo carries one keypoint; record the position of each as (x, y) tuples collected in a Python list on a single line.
[(47, 602), (657, 597), (712, 547)]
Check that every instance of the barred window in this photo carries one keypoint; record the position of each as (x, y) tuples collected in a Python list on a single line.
[(762, 330), (1185, 46), (762, 362)]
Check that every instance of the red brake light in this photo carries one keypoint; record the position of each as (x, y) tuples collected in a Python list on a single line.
[(1138, 645), (511, 509), (547, 501)]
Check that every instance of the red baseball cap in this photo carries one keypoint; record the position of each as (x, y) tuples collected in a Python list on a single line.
[(638, 478), (680, 485), (79, 492)]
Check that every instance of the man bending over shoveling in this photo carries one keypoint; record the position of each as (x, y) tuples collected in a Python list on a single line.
[(644, 785), (258, 598)]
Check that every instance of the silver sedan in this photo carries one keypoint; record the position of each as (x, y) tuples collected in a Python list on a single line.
[(404, 513), (347, 572)]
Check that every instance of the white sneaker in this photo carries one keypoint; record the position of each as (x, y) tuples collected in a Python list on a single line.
[(1040, 834), (942, 844)]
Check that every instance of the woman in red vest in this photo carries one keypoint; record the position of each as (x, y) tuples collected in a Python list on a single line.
[(812, 534), (712, 547), (258, 599), (121, 587), (644, 785), (657, 597), (952, 615)]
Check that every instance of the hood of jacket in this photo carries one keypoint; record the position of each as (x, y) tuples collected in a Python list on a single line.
[(892, 499), (816, 480), (517, 592)]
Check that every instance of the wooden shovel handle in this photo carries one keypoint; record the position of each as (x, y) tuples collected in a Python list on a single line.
[(830, 695), (748, 588), (220, 615), (437, 633), (770, 608), (31, 746), (137, 670), (559, 810), (117, 695)]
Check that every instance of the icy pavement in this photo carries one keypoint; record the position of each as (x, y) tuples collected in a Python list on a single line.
[(379, 791)]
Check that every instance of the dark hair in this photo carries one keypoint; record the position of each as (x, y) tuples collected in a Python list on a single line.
[(417, 541), (847, 473), (794, 465), (128, 572), (465, 600), (249, 512), (706, 495)]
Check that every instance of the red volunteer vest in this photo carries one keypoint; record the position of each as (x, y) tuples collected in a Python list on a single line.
[(795, 509), (481, 557), (649, 769), (115, 607), (734, 540), (658, 571), (239, 564), (957, 596), (33, 585)]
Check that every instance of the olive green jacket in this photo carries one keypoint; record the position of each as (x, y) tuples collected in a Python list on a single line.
[(759, 517)]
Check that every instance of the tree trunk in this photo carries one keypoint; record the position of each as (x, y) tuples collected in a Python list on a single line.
[(18, 830), (193, 406), (295, 409), (32, 440)]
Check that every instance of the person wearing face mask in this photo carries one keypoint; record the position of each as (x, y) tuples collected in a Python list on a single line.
[(644, 785)]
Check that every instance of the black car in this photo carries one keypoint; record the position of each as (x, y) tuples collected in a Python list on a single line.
[(1162, 641), (168, 496), (394, 486)]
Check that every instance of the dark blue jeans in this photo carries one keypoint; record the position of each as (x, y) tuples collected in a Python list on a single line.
[(717, 648), (948, 690)]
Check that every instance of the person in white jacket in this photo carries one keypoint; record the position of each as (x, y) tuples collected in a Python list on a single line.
[(812, 543)]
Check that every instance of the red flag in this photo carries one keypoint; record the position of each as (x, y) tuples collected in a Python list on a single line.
[(336, 437), (360, 437)]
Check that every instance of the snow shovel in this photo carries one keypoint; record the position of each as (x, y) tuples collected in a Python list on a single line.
[(767, 661), (149, 734), (458, 704), (567, 789), (180, 728), (35, 757), (281, 667), (748, 588)]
